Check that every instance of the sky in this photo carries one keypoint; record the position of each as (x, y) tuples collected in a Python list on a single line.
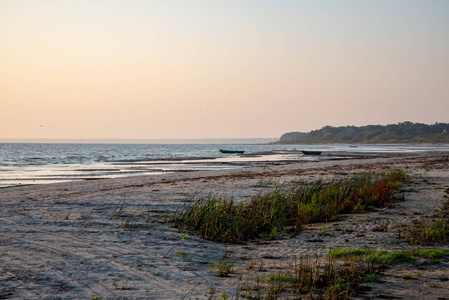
[(185, 69)]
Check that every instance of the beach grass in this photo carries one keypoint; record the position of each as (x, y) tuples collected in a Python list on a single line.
[(337, 275), (289, 206), (434, 232), (388, 257), (318, 277), (367, 255), (223, 267)]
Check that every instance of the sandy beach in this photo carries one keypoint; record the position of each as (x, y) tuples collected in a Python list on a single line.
[(113, 238)]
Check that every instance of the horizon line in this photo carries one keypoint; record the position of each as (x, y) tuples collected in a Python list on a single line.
[(128, 140)]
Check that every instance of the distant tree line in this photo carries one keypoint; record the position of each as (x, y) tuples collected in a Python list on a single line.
[(404, 132)]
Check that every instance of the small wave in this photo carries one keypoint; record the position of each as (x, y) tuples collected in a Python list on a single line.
[(76, 157), (97, 170), (102, 158), (35, 162)]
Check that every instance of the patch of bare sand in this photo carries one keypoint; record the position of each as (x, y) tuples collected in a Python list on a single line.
[(110, 238)]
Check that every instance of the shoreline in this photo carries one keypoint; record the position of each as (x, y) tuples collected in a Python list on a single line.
[(110, 238), (42, 164), (47, 174)]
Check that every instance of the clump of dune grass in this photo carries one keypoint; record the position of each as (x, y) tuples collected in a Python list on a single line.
[(431, 253), (292, 205), (320, 277), (407, 276), (222, 267), (375, 256), (434, 232), (337, 275), (388, 257)]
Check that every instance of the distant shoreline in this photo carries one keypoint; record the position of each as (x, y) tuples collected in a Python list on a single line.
[(403, 132)]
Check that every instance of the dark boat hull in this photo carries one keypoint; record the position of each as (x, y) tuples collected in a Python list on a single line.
[(232, 151), (310, 152)]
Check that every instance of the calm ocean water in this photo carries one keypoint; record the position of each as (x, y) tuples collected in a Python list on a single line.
[(22, 163)]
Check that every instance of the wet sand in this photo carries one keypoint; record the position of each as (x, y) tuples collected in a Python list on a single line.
[(111, 238)]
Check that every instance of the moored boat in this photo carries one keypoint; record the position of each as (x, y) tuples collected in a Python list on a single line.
[(232, 151), (311, 152)]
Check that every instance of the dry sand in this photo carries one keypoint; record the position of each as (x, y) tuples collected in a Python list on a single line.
[(109, 238)]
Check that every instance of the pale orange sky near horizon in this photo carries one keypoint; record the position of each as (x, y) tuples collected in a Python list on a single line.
[(219, 69)]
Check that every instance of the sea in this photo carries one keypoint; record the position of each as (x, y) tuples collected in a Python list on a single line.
[(44, 163)]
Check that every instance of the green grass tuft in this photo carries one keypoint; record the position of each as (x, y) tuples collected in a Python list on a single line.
[(222, 267), (407, 276), (384, 257), (424, 232), (432, 253), (294, 205)]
